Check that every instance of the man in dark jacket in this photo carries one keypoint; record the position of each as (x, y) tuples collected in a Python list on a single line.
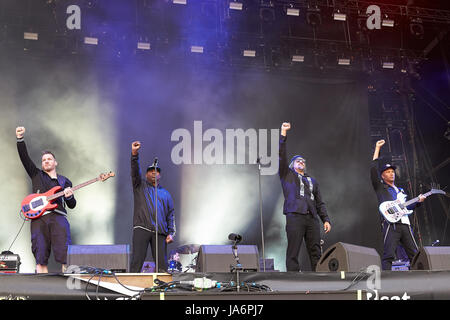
[(51, 231), (302, 205), (145, 193), (398, 233)]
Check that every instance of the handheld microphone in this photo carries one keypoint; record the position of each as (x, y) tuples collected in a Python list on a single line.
[(234, 237)]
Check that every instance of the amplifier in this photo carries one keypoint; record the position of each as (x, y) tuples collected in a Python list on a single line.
[(9, 263)]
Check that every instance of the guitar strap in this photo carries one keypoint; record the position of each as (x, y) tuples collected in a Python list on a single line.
[(62, 183)]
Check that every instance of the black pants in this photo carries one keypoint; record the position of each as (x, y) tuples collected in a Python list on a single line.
[(141, 239), (50, 232), (393, 235), (299, 226)]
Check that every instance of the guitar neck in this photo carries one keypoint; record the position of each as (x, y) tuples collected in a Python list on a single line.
[(416, 199), (84, 184)]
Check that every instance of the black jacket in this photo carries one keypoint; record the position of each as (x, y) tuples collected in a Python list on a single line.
[(144, 207), (383, 191), (42, 182), (290, 182)]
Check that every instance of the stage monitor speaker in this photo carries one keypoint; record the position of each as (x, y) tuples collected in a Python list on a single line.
[(432, 258), (110, 257), (220, 258), (347, 257)]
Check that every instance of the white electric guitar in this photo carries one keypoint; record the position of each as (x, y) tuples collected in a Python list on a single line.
[(393, 211)]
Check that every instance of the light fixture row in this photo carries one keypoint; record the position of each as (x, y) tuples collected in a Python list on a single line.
[(249, 53)]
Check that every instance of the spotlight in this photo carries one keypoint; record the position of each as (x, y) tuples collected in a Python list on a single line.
[(338, 16), (313, 17), (388, 65), (267, 14), (196, 49), (343, 61), (387, 22), (298, 58), (91, 40), (293, 12), (416, 28), (234, 5), (30, 36), (179, 1), (143, 46), (447, 132), (249, 53)]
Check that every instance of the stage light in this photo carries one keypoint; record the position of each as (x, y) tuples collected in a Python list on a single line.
[(293, 12), (179, 1), (197, 49), (388, 23), (234, 5), (343, 61), (91, 40), (30, 36), (388, 65), (338, 16), (298, 58), (416, 28), (447, 132), (313, 17), (249, 53), (267, 14), (143, 46)]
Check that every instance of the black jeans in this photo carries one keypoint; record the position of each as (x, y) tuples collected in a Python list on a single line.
[(393, 235), (141, 239), (299, 226)]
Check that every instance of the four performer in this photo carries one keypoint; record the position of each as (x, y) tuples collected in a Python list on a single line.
[(303, 205)]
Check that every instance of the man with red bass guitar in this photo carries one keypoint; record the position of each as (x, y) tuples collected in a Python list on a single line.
[(51, 231)]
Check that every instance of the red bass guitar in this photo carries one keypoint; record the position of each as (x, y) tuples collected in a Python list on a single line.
[(36, 204)]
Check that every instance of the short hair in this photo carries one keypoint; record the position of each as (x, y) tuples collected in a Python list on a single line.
[(48, 152)]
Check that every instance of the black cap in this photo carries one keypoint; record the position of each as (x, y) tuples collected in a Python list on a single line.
[(153, 167), (387, 166)]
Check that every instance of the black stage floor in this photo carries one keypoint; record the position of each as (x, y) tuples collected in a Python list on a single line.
[(261, 286)]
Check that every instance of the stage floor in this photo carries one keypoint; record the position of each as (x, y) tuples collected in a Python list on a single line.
[(392, 285)]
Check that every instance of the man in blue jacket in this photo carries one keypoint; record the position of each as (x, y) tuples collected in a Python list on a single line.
[(144, 218), (302, 205)]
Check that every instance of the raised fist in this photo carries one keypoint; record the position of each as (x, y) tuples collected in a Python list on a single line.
[(380, 143), (285, 127), (20, 132), (135, 146)]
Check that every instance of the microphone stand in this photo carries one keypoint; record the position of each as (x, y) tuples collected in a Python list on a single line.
[(258, 161), (156, 217), (238, 266)]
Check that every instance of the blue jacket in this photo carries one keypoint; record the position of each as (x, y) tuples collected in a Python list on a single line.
[(144, 203)]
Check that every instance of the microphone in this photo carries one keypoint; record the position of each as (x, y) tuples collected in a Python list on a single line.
[(155, 162), (235, 237)]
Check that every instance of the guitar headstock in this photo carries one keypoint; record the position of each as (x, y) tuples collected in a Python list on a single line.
[(106, 176), (435, 191)]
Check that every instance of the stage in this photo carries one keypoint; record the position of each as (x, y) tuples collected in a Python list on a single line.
[(254, 286)]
